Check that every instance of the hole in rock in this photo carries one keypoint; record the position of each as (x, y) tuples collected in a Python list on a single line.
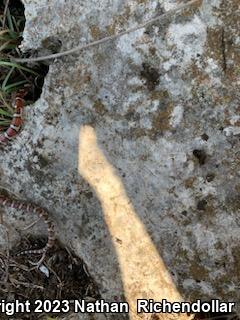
[(200, 155)]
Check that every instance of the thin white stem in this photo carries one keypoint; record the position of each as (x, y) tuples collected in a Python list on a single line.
[(31, 225), (109, 38)]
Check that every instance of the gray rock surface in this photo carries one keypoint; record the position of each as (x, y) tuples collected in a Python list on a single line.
[(133, 146)]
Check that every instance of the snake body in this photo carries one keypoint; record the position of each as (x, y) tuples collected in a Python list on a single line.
[(7, 201), (16, 122), (43, 214)]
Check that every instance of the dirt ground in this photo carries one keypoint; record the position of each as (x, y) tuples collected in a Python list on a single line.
[(61, 276)]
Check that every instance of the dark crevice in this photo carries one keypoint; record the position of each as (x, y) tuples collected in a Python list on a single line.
[(223, 47), (200, 155), (12, 24)]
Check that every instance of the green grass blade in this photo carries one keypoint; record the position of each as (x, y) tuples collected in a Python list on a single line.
[(5, 45), (2, 32), (5, 113), (9, 46), (18, 66), (15, 24), (9, 19), (9, 35), (14, 86), (5, 123), (4, 103), (4, 84)]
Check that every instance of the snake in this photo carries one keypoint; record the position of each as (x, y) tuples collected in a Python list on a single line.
[(8, 201), (16, 122)]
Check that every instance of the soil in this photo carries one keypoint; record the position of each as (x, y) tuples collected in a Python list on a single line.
[(61, 276)]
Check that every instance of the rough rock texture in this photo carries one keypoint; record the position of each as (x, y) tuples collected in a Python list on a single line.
[(133, 146)]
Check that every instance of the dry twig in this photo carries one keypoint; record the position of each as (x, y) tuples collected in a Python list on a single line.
[(109, 38)]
